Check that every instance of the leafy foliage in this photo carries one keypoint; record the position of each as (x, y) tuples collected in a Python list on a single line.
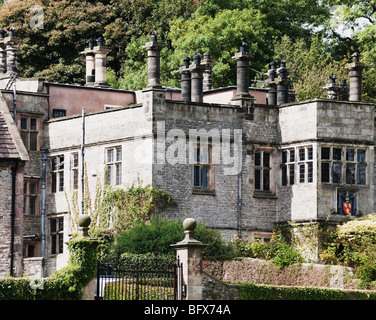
[(158, 235)]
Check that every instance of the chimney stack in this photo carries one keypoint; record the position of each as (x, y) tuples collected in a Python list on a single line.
[(3, 56), (271, 96), (197, 70), (332, 88), (355, 68), (208, 71), (154, 62), (90, 63), (185, 80), (100, 56), (282, 83), (343, 91), (11, 46), (242, 71)]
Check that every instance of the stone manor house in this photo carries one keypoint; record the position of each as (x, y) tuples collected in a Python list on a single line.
[(240, 159)]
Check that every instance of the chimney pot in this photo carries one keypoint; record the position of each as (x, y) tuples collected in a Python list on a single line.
[(12, 31), (154, 35), (100, 41), (186, 61), (332, 78), (243, 47), (91, 43), (197, 58)]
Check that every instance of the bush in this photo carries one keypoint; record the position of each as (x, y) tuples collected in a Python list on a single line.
[(160, 234), (252, 291)]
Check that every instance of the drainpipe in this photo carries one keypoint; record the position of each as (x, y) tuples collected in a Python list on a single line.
[(43, 206), (240, 161), (13, 215)]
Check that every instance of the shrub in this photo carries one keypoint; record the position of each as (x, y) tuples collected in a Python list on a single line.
[(160, 234)]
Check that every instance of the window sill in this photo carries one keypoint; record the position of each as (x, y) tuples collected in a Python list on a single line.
[(206, 192), (264, 195)]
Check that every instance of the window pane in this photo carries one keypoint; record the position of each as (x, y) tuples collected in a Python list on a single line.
[(266, 179), (33, 141), (33, 188), (337, 172), (292, 155), (310, 153), (301, 173), (205, 156), (310, 171), (292, 173), (24, 124), (325, 153), (361, 157), (284, 156), (110, 155), (61, 163), (53, 182), (118, 173), (266, 159), (257, 179), (284, 175), (109, 174), (350, 155), (350, 173), (258, 159), (32, 201), (25, 139), (61, 243), (52, 225), (302, 154), (205, 177), (33, 124), (61, 224), (197, 155), (53, 243), (196, 176), (119, 154), (325, 172), (61, 181), (337, 153), (361, 174)]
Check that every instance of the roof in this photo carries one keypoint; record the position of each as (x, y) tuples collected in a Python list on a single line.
[(11, 144), (8, 149)]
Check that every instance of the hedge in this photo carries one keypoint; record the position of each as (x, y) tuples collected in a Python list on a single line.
[(66, 283), (252, 291)]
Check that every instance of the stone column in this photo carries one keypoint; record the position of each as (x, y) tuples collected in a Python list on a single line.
[(197, 70), (185, 81), (208, 71), (282, 83), (100, 56), (11, 47), (3, 56), (271, 96), (242, 71), (90, 63), (355, 68), (189, 252), (154, 62)]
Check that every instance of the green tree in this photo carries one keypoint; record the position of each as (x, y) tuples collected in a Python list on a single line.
[(311, 65)]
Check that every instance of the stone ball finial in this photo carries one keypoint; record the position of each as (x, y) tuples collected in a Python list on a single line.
[(83, 221), (189, 224)]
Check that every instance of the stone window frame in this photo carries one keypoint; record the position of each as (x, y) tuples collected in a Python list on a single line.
[(56, 234), (114, 165), (297, 165), (271, 192), (350, 165), (74, 167), (31, 192), (29, 130), (198, 165), (57, 173), (263, 167)]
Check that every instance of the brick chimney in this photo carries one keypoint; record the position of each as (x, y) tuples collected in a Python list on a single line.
[(355, 68), (208, 71), (185, 80), (90, 63), (197, 70), (100, 56), (154, 62), (282, 81)]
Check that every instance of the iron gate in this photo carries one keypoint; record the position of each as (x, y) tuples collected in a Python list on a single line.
[(142, 278)]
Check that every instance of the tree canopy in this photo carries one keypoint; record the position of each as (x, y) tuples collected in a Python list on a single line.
[(190, 26)]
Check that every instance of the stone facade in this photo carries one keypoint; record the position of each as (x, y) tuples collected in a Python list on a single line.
[(228, 158)]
